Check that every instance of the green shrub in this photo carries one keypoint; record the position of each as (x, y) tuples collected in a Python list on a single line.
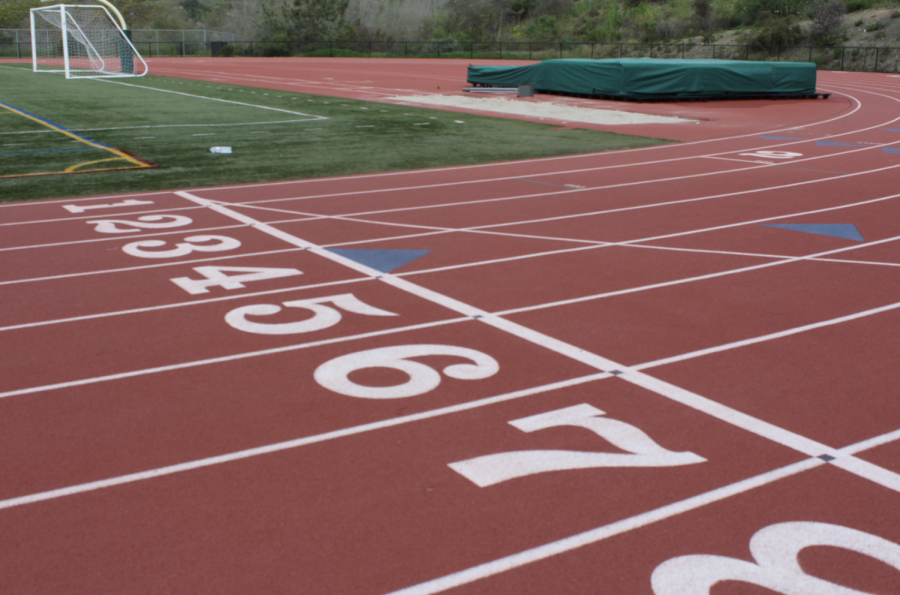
[(275, 50), (857, 5)]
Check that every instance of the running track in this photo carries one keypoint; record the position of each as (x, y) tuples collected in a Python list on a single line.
[(608, 373)]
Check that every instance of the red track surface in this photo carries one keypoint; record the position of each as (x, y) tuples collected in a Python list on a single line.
[(695, 363)]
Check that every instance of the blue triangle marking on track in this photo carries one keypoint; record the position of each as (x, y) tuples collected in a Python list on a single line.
[(380, 260), (892, 129), (890, 150), (847, 231), (828, 143), (767, 137)]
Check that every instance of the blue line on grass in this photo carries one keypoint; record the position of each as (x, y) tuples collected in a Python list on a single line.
[(49, 123), (52, 151)]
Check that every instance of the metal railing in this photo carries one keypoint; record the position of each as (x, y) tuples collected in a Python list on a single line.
[(871, 58)]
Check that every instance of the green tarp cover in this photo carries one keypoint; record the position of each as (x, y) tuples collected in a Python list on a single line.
[(635, 77)]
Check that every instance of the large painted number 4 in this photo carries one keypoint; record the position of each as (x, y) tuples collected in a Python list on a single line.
[(216, 276), (644, 452)]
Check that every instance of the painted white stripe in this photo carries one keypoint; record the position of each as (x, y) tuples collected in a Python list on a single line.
[(580, 540), (665, 389), (69, 217), (199, 302), (769, 337), (223, 359), (144, 267), (857, 107), (262, 107), (280, 446)]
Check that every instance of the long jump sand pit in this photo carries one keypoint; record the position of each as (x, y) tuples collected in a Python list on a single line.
[(542, 109)]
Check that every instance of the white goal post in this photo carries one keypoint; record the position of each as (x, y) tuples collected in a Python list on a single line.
[(82, 42)]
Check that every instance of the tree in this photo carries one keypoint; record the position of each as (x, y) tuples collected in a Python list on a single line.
[(14, 13), (827, 18), (754, 10), (318, 19), (703, 9)]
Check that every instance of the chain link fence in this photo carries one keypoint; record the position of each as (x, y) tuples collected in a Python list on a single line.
[(16, 43)]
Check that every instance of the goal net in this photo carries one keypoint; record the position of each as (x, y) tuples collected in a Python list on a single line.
[(82, 42)]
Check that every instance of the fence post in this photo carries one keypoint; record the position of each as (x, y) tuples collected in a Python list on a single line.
[(529, 50), (748, 52), (842, 57), (682, 50), (876, 59), (370, 48), (500, 49), (651, 50), (714, 51), (779, 54), (620, 50), (592, 50), (560, 50), (439, 49)]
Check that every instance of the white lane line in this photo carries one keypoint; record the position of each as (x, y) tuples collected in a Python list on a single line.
[(688, 232), (290, 444), (684, 280), (507, 178), (557, 193), (727, 414), (580, 540), (769, 337), (144, 267), (262, 107), (223, 359), (598, 169), (70, 217), (592, 244), (224, 298)]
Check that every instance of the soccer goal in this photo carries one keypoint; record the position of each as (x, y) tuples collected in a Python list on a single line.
[(82, 42)]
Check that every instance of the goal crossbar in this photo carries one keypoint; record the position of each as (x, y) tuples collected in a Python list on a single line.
[(82, 41)]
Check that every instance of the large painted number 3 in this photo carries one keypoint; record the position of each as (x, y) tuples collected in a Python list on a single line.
[(191, 244), (644, 452), (334, 374), (775, 549)]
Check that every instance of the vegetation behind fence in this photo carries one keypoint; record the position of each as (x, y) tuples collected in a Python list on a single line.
[(869, 59)]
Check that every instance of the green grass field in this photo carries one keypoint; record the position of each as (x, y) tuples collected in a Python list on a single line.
[(275, 135)]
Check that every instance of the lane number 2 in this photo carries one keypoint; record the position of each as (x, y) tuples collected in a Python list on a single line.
[(323, 316), (775, 549), (642, 450), (145, 222), (334, 374)]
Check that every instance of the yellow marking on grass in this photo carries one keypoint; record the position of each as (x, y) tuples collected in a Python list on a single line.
[(134, 162), (77, 166)]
